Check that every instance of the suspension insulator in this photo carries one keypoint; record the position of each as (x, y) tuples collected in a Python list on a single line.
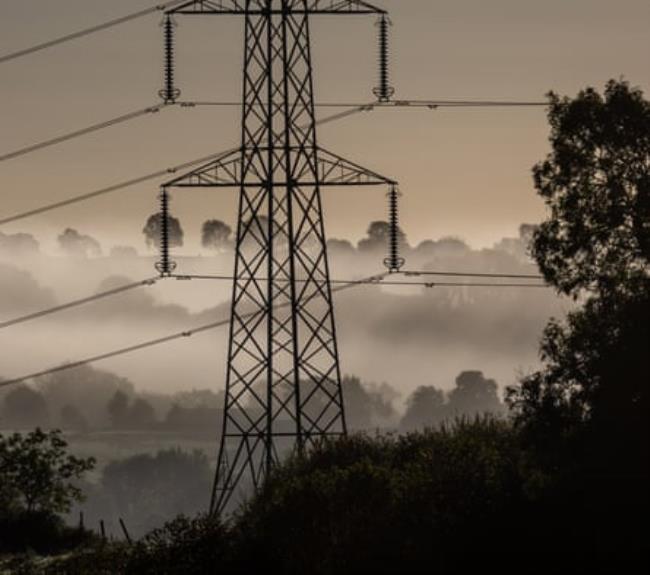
[(165, 265), (169, 93), (394, 262), (384, 91)]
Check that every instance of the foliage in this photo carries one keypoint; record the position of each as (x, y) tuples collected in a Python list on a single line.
[(24, 407), (37, 474), (596, 183), (37, 482), (152, 229), (147, 490), (126, 415), (378, 235), (473, 395), (79, 245), (365, 505), (215, 235), (584, 416)]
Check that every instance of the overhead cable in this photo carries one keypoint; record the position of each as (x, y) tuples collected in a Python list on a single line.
[(145, 178), (84, 131), (88, 31), (79, 302), (146, 344)]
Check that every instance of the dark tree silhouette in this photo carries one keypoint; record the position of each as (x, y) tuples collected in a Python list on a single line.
[(77, 245), (473, 395), (378, 235), (365, 407), (586, 412), (596, 183), (18, 244), (37, 474), (151, 231), (25, 407), (425, 408), (215, 235)]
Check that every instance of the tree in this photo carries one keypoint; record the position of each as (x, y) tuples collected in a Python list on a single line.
[(596, 243), (19, 245), (37, 474), (77, 245), (87, 388), (425, 408), (586, 413), (596, 183), (473, 395), (365, 407), (24, 407), (378, 236), (152, 229), (215, 235)]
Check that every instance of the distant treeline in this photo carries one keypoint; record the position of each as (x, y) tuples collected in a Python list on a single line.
[(85, 399)]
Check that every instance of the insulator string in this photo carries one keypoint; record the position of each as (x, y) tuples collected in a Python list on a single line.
[(394, 262), (384, 91), (165, 266), (169, 93)]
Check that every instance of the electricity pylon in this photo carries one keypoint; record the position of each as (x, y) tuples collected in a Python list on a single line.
[(283, 383)]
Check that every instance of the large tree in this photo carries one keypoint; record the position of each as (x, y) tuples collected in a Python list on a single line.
[(152, 229), (37, 474), (585, 414), (596, 184), (78, 245), (595, 245), (215, 235)]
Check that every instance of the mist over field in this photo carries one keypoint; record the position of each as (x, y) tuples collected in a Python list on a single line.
[(403, 336)]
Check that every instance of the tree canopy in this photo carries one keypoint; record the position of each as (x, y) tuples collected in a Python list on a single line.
[(37, 474), (596, 184)]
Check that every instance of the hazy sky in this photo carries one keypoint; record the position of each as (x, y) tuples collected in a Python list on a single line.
[(463, 173)]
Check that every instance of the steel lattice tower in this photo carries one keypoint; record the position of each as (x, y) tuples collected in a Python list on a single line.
[(283, 384)]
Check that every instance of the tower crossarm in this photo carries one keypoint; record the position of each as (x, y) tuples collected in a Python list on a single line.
[(260, 7), (332, 170), (224, 171)]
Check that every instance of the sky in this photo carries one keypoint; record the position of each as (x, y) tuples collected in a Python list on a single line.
[(464, 173)]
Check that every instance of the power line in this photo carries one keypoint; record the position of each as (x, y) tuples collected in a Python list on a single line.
[(395, 104), (108, 189), (84, 131), (372, 281), (143, 112), (79, 302), (87, 31), (148, 177), (379, 280), (148, 344), (417, 273), (117, 352)]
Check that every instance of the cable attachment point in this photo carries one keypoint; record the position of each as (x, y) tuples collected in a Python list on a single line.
[(169, 93), (165, 265), (384, 91), (394, 262)]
